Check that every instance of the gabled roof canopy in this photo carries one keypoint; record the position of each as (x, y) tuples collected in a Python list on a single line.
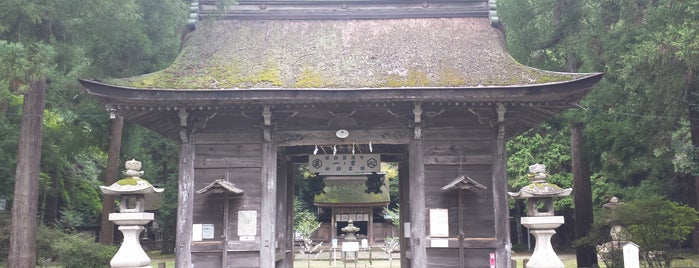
[(463, 183), (393, 51), (345, 54), (221, 186)]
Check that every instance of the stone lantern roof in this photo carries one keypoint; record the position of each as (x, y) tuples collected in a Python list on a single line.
[(539, 186), (132, 184)]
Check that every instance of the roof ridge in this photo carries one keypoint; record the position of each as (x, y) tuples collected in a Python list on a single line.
[(343, 9)]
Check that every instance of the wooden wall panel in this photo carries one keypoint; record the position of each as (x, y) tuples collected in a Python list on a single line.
[(244, 259), (477, 204), (206, 259), (226, 121), (209, 207), (209, 211), (449, 258), (443, 257), (458, 134), (220, 150), (477, 257), (457, 148), (247, 136), (235, 259)]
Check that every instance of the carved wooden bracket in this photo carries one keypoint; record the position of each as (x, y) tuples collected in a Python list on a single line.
[(501, 122), (184, 134), (267, 116), (417, 119), (501, 112), (267, 121)]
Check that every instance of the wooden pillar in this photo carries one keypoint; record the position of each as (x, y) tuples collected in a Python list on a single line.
[(285, 205), (501, 207), (404, 201), (185, 202), (370, 224), (268, 207), (417, 194)]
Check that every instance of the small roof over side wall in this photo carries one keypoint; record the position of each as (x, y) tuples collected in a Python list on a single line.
[(221, 186)]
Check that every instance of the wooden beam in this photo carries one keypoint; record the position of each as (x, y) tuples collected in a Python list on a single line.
[(226, 162), (500, 203), (185, 204), (319, 137), (268, 206), (417, 204)]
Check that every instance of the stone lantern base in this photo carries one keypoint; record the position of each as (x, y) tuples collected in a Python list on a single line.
[(131, 254), (543, 228)]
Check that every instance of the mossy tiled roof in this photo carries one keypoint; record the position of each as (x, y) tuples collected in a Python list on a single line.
[(344, 54)]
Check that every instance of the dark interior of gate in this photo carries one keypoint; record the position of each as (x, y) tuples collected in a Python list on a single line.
[(457, 141)]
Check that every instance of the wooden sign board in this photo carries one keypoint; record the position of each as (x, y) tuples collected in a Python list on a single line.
[(207, 231), (439, 222), (344, 163), (197, 232), (350, 246), (247, 223)]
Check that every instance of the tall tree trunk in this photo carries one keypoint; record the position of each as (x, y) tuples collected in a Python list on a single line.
[(26, 192), (582, 189), (111, 174), (693, 107), (51, 202)]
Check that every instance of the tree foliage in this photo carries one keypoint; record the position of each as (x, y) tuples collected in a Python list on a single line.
[(657, 225), (642, 117), (61, 41)]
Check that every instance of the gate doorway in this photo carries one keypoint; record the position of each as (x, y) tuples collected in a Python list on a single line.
[(345, 201)]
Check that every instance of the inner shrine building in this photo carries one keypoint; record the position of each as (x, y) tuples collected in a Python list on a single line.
[(260, 85)]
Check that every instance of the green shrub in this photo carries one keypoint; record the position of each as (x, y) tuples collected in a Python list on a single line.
[(77, 251), (4, 235), (46, 237), (658, 226), (53, 245)]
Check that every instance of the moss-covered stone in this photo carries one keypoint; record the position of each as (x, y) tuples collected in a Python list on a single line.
[(132, 181)]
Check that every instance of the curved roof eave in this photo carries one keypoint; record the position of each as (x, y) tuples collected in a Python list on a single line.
[(571, 91)]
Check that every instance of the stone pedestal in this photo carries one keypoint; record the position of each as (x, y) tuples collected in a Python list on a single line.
[(543, 228), (131, 254)]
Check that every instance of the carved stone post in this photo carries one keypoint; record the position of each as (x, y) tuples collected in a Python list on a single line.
[(542, 224), (131, 216)]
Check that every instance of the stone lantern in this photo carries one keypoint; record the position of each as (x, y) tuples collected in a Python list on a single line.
[(131, 218), (350, 230), (541, 222)]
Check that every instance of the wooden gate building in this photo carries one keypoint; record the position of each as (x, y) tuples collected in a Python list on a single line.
[(258, 85)]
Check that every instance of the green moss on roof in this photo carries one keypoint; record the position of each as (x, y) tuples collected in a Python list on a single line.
[(133, 181), (446, 52), (310, 79)]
